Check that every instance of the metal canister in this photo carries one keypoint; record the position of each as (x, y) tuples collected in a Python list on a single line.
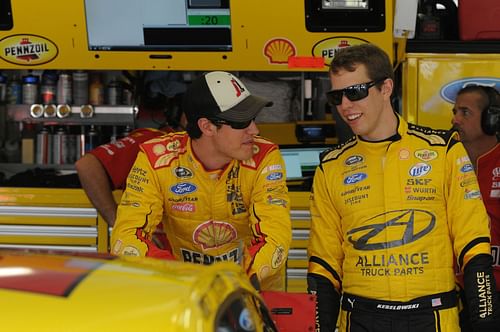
[(80, 87), (43, 147), (70, 146), (30, 89), (127, 97), (96, 90), (14, 91), (48, 88), (59, 144), (80, 144), (114, 93), (3, 88), (91, 139), (64, 89)]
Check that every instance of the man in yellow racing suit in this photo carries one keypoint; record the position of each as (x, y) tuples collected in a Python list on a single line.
[(220, 190), (391, 208)]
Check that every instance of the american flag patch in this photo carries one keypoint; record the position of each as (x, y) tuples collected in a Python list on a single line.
[(436, 302)]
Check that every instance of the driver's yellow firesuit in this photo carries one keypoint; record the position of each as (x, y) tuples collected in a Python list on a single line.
[(207, 215), (388, 218)]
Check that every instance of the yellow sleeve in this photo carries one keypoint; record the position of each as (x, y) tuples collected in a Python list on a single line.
[(467, 218), (270, 218), (325, 252), (139, 212)]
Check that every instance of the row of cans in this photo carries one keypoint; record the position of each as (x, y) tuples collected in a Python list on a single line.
[(65, 87), (60, 147)]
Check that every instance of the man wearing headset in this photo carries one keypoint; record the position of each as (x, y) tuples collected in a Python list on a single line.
[(476, 117)]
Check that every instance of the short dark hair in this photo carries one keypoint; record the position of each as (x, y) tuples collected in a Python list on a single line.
[(193, 130), (480, 90), (375, 59)]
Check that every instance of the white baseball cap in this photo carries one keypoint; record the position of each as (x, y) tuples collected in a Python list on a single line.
[(221, 95)]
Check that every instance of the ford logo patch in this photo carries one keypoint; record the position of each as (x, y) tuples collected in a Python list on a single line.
[(467, 168), (275, 176), (355, 178), (183, 188), (450, 90)]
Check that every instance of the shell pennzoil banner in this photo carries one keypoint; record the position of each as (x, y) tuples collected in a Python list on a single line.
[(187, 34), (433, 80)]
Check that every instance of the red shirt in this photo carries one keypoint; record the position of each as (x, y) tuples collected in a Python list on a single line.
[(118, 157), (488, 175)]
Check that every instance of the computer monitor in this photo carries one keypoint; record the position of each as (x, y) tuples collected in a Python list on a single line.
[(301, 161), (158, 25)]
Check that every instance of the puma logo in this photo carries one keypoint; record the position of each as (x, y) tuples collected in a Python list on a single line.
[(351, 302)]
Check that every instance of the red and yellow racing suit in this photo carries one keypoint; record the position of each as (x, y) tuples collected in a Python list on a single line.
[(389, 217), (208, 216), (488, 175)]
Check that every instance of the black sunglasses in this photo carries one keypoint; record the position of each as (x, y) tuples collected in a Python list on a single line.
[(353, 92), (233, 124)]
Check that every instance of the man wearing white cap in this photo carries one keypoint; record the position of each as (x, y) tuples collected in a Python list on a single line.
[(219, 189)]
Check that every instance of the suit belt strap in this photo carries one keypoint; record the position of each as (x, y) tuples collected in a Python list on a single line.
[(430, 302)]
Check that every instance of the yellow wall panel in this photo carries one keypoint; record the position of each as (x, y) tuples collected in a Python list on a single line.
[(254, 24)]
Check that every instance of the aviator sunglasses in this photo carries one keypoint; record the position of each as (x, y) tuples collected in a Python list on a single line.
[(232, 124), (353, 92)]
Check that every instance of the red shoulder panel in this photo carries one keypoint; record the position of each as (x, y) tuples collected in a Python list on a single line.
[(262, 148), (163, 150)]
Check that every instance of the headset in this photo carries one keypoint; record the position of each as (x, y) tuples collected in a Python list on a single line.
[(490, 117)]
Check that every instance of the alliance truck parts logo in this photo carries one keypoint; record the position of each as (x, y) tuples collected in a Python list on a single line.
[(413, 223), (27, 50)]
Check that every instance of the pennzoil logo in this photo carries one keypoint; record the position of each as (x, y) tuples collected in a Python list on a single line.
[(28, 50), (426, 154), (278, 50), (327, 48)]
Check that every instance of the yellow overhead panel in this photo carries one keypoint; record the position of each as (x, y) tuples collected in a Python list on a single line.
[(257, 35)]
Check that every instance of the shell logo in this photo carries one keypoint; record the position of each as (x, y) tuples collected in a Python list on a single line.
[(278, 50), (214, 234), (27, 50), (159, 149), (327, 48)]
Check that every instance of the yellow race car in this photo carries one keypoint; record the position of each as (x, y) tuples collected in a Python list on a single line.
[(62, 292)]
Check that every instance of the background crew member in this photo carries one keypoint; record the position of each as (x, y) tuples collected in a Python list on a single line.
[(106, 167), (390, 210), (476, 117), (219, 189)]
